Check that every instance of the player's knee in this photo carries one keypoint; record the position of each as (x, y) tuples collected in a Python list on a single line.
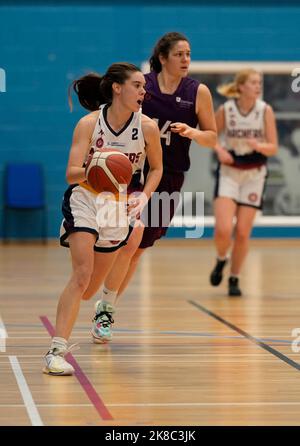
[(242, 234), (223, 231), (81, 277), (129, 250)]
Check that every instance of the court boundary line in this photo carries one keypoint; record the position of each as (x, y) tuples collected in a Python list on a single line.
[(248, 336), (85, 383), (29, 403)]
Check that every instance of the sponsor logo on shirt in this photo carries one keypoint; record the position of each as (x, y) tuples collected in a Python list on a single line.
[(184, 104), (116, 144)]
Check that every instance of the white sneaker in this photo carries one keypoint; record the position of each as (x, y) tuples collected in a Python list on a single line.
[(101, 330), (56, 363)]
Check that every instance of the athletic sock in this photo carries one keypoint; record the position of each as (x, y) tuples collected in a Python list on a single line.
[(60, 343), (108, 295), (221, 259)]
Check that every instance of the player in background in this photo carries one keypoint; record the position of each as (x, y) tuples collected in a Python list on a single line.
[(178, 104), (248, 127), (118, 124)]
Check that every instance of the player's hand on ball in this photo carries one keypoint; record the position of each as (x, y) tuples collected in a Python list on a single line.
[(88, 161)]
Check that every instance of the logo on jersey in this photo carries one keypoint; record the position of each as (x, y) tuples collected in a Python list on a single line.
[(99, 143), (184, 104), (147, 97), (253, 197)]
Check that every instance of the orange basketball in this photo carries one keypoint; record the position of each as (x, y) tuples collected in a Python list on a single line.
[(109, 170)]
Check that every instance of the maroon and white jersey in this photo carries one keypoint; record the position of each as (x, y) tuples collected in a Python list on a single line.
[(240, 127), (129, 139)]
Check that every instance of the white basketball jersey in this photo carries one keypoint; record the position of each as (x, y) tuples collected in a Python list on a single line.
[(239, 127), (129, 139)]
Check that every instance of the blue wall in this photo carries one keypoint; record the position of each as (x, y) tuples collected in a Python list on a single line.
[(42, 48)]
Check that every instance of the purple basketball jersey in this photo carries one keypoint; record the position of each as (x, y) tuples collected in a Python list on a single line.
[(168, 108)]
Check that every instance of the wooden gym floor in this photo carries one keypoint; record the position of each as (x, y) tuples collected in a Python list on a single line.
[(183, 353)]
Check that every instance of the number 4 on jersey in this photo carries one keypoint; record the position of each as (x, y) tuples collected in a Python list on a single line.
[(164, 132)]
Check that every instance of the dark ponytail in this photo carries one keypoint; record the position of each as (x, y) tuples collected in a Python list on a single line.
[(88, 91), (93, 90)]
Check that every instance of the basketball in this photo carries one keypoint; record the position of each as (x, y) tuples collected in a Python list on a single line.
[(108, 170)]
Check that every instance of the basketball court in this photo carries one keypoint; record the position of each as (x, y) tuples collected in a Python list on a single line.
[(183, 353)]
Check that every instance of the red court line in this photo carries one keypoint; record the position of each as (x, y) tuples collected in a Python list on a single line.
[(82, 378)]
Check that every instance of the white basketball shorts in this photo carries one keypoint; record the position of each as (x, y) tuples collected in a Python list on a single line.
[(97, 214), (244, 186)]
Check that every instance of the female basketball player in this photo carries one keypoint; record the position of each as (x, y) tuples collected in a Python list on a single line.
[(178, 103), (250, 137), (119, 124)]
